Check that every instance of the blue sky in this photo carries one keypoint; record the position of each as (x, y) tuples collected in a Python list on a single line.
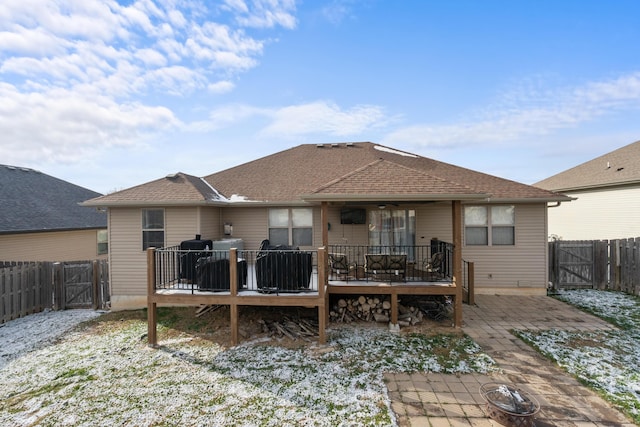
[(111, 94)]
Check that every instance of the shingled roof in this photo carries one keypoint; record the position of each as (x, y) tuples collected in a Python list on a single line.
[(31, 201), (340, 171), (175, 189), (619, 167), (312, 171)]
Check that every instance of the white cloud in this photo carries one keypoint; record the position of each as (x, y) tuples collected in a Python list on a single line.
[(71, 71), (324, 117), (61, 125), (264, 13), (221, 87), (526, 112)]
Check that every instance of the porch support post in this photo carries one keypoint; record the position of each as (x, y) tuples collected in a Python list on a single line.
[(322, 296), (456, 214), (233, 288), (152, 318), (324, 220), (394, 308)]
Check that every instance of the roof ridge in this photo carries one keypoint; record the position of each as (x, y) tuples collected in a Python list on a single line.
[(347, 175)]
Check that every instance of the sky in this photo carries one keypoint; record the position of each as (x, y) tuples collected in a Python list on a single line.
[(111, 94)]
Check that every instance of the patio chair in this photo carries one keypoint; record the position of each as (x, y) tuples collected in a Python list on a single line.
[(433, 265), (340, 266)]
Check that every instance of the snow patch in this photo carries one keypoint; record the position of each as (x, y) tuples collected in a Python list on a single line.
[(393, 151)]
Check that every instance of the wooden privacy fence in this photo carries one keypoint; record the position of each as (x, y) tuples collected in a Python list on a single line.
[(31, 287), (596, 264)]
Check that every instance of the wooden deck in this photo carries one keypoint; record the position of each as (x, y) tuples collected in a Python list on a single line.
[(317, 297)]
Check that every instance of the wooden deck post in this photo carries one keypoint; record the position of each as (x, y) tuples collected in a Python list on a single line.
[(472, 284), (233, 287), (152, 319), (323, 305), (394, 308), (456, 217)]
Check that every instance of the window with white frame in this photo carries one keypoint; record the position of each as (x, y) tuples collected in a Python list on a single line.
[(489, 225), (152, 228), (291, 226), (103, 242)]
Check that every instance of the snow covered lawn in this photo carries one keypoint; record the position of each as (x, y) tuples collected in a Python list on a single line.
[(105, 374), (607, 361)]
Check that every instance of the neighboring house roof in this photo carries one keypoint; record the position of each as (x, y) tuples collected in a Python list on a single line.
[(345, 171), (619, 167), (31, 201)]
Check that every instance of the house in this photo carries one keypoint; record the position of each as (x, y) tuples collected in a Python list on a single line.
[(607, 196), (348, 197), (41, 219)]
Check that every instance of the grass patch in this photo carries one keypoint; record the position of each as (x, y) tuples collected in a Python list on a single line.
[(606, 361), (105, 373)]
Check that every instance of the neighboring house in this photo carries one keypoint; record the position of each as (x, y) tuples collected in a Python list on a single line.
[(607, 193), (41, 219), (303, 196)]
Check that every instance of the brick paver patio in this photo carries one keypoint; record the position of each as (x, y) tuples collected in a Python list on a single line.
[(436, 400)]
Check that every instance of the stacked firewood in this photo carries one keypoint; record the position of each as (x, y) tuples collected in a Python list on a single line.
[(369, 309)]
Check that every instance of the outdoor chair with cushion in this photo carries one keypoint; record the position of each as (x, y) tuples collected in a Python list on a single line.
[(433, 266), (340, 266)]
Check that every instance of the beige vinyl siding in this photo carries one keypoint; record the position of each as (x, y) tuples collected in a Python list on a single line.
[(73, 245), (597, 215), (251, 224), (210, 225), (180, 223), (127, 260), (433, 221), (523, 265), (342, 234)]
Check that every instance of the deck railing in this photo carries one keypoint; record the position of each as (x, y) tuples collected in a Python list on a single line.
[(264, 271), (399, 263)]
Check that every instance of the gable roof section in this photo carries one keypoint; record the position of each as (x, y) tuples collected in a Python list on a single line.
[(314, 172), (618, 167), (175, 189), (31, 201), (385, 180)]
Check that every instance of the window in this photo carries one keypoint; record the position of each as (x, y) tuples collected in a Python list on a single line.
[(493, 225), (393, 227), (152, 228), (291, 226), (103, 242)]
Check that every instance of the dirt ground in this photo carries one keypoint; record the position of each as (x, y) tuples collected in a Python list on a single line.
[(254, 322), (214, 324)]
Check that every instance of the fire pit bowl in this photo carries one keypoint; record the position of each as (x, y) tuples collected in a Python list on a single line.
[(509, 405)]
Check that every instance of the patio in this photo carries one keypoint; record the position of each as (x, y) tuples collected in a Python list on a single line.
[(434, 399)]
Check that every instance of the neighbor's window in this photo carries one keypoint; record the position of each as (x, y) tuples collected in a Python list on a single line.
[(291, 226), (489, 225), (103, 242), (152, 228)]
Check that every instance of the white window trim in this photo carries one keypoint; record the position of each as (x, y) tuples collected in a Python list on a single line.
[(489, 226)]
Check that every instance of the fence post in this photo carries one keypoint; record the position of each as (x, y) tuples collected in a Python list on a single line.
[(95, 277), (58, 278)]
